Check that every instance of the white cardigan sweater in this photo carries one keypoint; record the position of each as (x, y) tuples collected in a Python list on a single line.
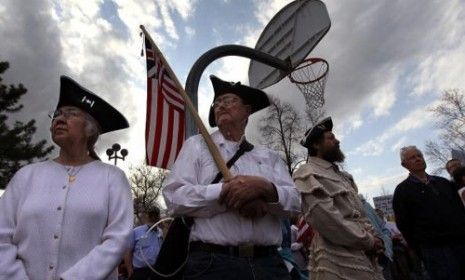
[(52, 229)]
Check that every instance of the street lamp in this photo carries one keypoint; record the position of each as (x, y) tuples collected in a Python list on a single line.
[(114, 149)]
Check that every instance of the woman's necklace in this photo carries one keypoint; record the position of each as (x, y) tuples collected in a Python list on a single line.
[(72, 172)]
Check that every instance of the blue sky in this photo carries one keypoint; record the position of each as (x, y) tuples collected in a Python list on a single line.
[(389, 62)]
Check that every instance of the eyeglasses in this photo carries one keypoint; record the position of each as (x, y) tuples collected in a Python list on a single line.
[(225, 101), (65, 113)]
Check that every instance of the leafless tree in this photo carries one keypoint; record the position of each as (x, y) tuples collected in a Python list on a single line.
[(450, 113), (281, 129), (146, 184)]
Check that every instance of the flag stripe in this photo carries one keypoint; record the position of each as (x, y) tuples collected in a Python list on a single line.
[(164, 133)]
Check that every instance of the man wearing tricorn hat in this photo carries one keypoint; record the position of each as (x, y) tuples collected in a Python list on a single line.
[(236, 227), (70, 217), (345, 246)]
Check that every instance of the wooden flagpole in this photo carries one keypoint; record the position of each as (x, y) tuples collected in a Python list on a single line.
[(206, 136)]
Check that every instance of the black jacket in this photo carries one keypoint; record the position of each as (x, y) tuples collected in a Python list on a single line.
[(429, 215)]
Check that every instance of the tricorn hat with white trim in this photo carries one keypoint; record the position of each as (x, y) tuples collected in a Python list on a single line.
[(73, 94)]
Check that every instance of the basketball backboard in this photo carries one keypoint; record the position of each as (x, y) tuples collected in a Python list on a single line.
[(290, 35)]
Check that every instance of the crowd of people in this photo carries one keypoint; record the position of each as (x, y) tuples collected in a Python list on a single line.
[(72, 217)]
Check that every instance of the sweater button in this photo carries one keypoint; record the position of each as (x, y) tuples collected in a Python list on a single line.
[(59, 208), (50, 267)]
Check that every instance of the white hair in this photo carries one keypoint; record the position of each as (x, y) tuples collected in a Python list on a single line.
[(405, 149), (92, 127)]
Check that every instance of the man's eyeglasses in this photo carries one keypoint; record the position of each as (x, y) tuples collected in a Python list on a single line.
[(65, 113), (225, 101)]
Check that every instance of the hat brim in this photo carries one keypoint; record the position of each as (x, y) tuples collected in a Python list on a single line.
[(73, 94), (256, 98)]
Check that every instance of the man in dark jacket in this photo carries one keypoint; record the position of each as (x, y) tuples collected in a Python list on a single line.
[(431, 217)]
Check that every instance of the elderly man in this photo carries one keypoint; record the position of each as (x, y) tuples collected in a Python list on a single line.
[(345, 246), (236, 227), (431, 217)]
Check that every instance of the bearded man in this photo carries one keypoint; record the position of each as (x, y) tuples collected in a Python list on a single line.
[(345, 245)]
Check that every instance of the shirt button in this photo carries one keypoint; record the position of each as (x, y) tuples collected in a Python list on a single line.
[(59, 208), (50, 267), (55, 236), (64, 187)]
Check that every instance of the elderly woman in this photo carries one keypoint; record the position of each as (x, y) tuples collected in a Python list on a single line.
[(70, 217), (236, 228)]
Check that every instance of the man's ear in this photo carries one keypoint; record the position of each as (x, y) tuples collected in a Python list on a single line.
[(315, 146), (249, 109)]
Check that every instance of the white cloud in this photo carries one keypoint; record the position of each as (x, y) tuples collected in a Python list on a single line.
[(383, 99), (372, 186), (182, 8), (266, 9), (189, 31), (399, 144), (416, 119), (347, 126)]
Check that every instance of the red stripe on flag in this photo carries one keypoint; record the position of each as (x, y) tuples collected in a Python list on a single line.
[(167, 153), (159, 122)]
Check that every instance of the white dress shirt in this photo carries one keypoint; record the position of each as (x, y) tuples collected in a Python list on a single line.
[(52, 229), (188, 191)]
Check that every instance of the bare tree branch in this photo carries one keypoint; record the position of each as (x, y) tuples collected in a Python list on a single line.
[(282, 128), (146, 184), (450, 116)]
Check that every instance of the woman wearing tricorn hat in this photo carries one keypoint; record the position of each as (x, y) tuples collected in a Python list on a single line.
[(70, 217), (236, 228)]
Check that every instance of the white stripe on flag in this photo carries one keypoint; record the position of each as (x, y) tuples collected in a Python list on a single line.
[(164, 133), (174, 143), (153, 124)]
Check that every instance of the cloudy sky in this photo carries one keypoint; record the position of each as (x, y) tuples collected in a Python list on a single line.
[(389, 62)]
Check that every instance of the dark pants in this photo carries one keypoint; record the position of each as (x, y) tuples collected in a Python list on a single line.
[(386, 264), (214, 266), (446, 262), (141, 274)]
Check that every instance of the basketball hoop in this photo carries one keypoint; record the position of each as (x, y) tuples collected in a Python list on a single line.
[(310, 77)]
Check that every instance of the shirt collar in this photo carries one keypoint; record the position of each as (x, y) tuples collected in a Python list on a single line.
[(219, 139), (414, 179)]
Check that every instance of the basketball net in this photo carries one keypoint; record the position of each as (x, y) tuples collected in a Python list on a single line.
[(310, 77)]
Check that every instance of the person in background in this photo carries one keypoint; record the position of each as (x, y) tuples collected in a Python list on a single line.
[(379, 225), (459, 178), (345, 245), (431, 217), (70, 217), (144, 246), (452, 165)]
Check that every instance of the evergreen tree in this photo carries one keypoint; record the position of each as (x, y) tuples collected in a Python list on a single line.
[(16, 148)]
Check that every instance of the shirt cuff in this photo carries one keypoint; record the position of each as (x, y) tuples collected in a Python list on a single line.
[(213, 191)]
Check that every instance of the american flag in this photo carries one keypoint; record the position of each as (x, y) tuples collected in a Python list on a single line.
[(305, 233), (164, 127)]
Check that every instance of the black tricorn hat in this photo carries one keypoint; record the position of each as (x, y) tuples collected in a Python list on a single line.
[(73, 94), (315, 132), (249, 95)]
